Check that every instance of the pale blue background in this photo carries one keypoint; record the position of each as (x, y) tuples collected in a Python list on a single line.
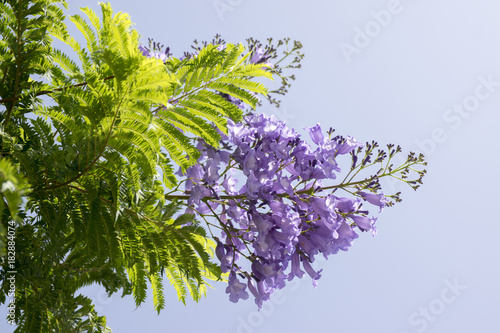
[(397, 89)]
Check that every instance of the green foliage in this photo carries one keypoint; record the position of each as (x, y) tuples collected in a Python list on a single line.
[(201, 80), (84, 175), (13, 187)]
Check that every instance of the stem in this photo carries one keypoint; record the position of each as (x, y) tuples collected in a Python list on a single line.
[(175, 100), (47, 92), (129, 211)]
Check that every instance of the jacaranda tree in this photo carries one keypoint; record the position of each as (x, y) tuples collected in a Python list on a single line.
[(119, 166)]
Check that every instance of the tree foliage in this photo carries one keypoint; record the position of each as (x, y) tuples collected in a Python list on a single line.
[(88, 149)]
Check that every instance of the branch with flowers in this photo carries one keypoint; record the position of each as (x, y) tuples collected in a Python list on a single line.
[(292, 203), (290, 206)]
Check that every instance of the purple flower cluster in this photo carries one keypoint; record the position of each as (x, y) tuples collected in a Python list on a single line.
[(281, 216)]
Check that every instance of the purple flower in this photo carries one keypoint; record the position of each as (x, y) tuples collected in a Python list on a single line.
[(379, 200), (228, 259), (346, 235), (364, 223), (266, 271), (144, 50), (283, 184), (253, 186), (261, 292), (316, 134), (235, 289), (257, 55), (307, 246), (198, 192), (349, 145), (238, 215), (262, 222), (250, 163), (212, 174), (324, 206), (229, 185), (193, 175), (220, 251), (348, 205), (296, 271), (312, 273)]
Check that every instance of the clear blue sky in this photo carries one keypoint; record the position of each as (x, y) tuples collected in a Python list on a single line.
[(418, 73)]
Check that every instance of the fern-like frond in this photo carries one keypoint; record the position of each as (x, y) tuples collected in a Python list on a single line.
[(158, 296)]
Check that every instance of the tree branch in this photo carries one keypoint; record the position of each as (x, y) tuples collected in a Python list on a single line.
[(47, 92)]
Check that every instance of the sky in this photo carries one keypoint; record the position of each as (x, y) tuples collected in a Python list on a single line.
[(417, 73)]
